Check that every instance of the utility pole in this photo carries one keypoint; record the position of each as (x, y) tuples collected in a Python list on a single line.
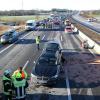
[(22, 4)]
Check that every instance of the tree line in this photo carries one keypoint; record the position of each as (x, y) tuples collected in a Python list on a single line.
[(30, 12)]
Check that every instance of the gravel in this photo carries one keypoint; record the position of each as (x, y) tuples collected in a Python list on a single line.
[(83, 68)]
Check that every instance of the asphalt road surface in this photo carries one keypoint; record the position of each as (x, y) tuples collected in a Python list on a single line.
[(83, 20), (24, 53)]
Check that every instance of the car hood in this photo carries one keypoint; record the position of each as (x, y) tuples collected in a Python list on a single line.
[(46, 71), (4, 37)]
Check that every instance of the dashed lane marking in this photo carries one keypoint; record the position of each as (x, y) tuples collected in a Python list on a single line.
[(89, 92), (43, 37), (80, 91), (61, 38)]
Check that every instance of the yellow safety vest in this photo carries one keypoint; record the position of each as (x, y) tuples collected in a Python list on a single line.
[(37, 40)]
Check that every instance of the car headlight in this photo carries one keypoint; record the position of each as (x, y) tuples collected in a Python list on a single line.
[(2, 40)]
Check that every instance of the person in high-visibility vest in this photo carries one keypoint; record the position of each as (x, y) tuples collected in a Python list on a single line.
[(23, 73), (7, 85), (38, 42), (19, 87)]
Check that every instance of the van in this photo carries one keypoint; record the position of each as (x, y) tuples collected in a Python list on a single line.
[(30, 25)]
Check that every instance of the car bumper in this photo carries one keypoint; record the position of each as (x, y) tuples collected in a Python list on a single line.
[(44, 82)]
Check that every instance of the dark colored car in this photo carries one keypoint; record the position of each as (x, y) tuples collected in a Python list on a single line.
[(9, 37), (46, 70), (52, 46)]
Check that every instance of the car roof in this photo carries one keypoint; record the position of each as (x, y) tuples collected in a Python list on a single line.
[(53, 41), (30, 21)]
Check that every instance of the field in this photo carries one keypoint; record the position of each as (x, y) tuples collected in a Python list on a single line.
[(3, 29), (21, 18), (98, 17)]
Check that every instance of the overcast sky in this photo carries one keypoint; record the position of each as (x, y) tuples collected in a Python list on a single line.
[(49, 4)]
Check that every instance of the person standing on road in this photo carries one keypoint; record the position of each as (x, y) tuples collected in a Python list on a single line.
[(38, 42), (19, 87), (7, 85)]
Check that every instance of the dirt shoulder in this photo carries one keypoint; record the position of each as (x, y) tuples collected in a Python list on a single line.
[(83, 68), (4, 28)]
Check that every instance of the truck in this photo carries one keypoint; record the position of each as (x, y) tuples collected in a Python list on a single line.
[(30, 25)]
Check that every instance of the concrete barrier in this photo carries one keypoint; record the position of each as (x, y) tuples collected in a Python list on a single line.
[(90, 41)]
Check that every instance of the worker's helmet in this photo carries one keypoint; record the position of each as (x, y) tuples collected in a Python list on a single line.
[(7, 73)]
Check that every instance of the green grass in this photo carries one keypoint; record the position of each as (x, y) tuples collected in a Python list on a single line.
[(21, 18), (95, 15)]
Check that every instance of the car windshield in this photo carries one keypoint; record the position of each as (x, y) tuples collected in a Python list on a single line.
[(47, 60), (42, 60), (29, 24), (4, 36), (49, 55), (52, 46)]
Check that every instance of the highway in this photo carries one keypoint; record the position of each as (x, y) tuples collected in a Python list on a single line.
[(92, 25), (69, 86)]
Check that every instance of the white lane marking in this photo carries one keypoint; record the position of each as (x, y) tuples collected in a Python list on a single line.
[(43, 37), (89, 92), (80, 91), (68, 89), (26, 64), (61, 38), (6, 48), (25, 36), (13, 43), (92, 52)]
